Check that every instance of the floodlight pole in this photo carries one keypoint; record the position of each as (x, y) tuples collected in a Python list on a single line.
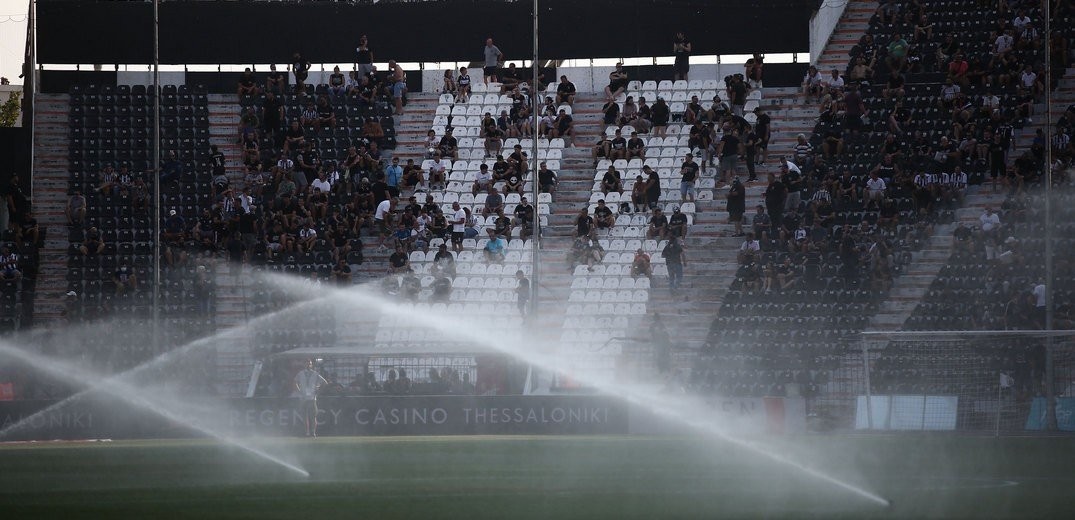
[(535, 235), (1050, 398), (157, 180)]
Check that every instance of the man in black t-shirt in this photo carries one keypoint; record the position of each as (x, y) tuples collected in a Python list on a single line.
[(728, 151), (584, 224), (677, 223), (611, 181), (565, 91), (658, 225), (546, 179), (653, 187), (524, 218), (636, 147), (603, 215), (688, 175), (619, 146)]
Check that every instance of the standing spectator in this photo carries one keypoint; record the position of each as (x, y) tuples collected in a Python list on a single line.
[(459, 226), (688, 176), (493, 59), (393, 174), (300, 67), (738, 94), (399, 85), (681, 47), (661, 114), (775, 198), (363, 58), (737, 205), (382, 219), (675, 258), (754, 71), (617, 83), (728, 151), (276, 82), (854, 109), (522, 292), (307, 383)]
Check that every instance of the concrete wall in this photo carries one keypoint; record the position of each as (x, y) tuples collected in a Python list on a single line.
[(822, 24)]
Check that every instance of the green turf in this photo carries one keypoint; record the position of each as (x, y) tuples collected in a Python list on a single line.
[(541, 477)]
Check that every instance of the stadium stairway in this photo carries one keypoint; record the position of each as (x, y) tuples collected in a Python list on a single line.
[(51, 143), (852, 25)]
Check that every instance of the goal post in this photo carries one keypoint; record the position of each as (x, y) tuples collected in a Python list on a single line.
[(988, 382)]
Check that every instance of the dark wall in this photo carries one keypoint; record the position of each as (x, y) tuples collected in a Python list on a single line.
[(87, 31), (15, 154)]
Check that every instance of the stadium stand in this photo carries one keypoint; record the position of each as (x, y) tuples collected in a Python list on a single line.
[(926, 134)]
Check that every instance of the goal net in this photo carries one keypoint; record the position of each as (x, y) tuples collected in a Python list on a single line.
[(1003, 381)]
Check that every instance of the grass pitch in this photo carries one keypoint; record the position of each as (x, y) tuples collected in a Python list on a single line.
[(541, 477)]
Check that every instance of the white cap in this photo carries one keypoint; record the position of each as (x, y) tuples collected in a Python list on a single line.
[(172, 212)]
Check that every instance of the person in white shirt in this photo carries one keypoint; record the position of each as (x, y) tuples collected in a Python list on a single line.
[(989, 220), (381, 217), (1020, 21), (812, 83), (1029, 79), (1003, 43), (438, 176), (875, 190), (483, 180), (307, 383), (749, 250), (322, 183), (307, 236), (459, 226), (835, 81)]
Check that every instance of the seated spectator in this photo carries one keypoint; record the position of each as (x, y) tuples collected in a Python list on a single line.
[(565, 91), (617, 83), (640, 265), (603, 216), (494, 248), (618, 145), (524, 218), (326, 117), (275, 82), (611, 181), (342, 272), (449, 85), (438, 172), (294, 138), (501, 223), (443, 262), (513, 184), (449, 145), (399, 261), (247, 86), (638, 194), (125, 280), (76, 208), (564, 126), (518, 163), (493, 202), (636, 147), (875, 191), (603, 148), (413, 179), (462, 85), (308, 116), (658, 225), (677, 223), (761, 223), (494, 141), (337, 83), (94, 245), (585, 251), (9, 263), (749, 251), (812, 84), (894, 87), (546, 179), (611, 114), (693, 111), (897, 53)]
